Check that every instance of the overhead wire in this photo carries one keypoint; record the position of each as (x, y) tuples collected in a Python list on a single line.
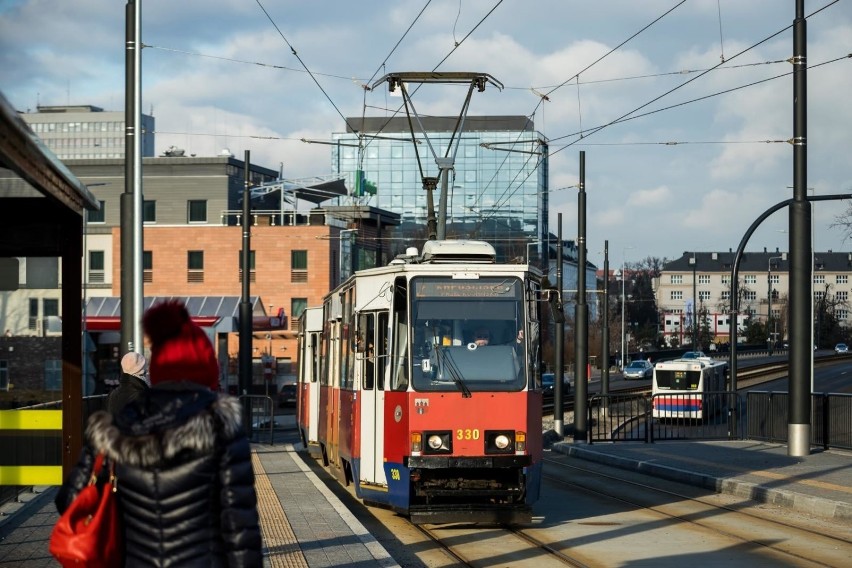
[(624, 118), (577, 75), (296, 55), (777, 141)]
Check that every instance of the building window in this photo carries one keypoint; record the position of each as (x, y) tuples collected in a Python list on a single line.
[(726, 279), (704, 279), (842, 279), (750, 279), (195, 266), (251, 265), (841, 316), (704, 295), (98, 216), (819, 279), (677, 295), (96, 266), (196, 211), (750, 295), (298, 268), (147, 266), (53, 375), (677, 279), (33, 320), (149, 211), (726, 295), (842, 296), (297, 306), (774, 279), (4, 375)]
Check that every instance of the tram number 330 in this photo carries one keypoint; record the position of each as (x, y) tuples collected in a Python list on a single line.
[(467, 434)]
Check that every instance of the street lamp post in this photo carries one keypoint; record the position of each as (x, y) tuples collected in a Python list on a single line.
[(694, 262), (623, 302), (769, 300)]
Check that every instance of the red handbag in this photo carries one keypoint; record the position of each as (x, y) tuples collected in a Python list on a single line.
[(88, 533)]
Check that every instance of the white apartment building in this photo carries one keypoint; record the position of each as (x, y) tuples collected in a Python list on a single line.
[(703, 280)]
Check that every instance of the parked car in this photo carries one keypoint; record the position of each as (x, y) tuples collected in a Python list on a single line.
[(639, 370), (548, 380), (693, 355), (287, 394), (841, 348)]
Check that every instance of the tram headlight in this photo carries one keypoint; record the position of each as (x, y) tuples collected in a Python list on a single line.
[(499, 441), (438, 442)]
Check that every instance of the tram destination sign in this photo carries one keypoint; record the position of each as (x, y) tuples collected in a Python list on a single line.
[(503, 288)]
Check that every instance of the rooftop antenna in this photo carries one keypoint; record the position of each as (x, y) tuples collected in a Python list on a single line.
[(445, 163)]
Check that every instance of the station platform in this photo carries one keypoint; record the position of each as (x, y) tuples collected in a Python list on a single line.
[(304, 524), (818, 484)]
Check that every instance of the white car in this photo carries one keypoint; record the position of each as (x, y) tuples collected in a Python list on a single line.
[(639, 370)]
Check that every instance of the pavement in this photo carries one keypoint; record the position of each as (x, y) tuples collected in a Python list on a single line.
[(304, 524), (818, 484)]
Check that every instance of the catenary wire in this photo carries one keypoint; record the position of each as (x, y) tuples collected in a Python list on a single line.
[(295, 53)]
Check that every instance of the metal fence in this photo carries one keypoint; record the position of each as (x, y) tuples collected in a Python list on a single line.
[(260, 417), (831, 418), (681, 416)]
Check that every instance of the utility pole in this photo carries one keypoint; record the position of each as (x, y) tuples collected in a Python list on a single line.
[(581, 318), (131, 200), (801, 272), (559, 339), (605, 326), (245, 354)]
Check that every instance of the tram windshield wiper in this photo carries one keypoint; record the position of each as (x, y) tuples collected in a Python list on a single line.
[(445, 361)]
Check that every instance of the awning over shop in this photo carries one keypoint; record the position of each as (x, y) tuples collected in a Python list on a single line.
[(219, 312)]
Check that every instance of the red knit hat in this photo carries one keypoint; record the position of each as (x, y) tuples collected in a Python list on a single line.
[(180, 350)]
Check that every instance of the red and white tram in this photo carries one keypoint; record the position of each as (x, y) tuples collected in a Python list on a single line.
[(310, 333), (421, 414)]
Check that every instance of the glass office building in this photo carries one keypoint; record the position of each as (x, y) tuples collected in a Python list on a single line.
[(496, 191)]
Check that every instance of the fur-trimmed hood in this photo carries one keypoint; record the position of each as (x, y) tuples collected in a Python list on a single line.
[(163, 425)]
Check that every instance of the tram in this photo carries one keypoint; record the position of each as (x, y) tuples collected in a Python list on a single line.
[(309, 342), (689, 388), (429, 392)]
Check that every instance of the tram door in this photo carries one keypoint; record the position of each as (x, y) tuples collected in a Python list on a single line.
[(373, 327)]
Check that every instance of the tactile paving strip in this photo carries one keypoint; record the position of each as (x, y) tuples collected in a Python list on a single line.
[(281, 546)]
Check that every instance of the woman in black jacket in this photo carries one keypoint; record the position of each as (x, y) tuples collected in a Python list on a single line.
[(134, 382), (182, 459)]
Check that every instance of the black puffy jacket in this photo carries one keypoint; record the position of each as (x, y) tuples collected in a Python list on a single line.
[(185, 479)]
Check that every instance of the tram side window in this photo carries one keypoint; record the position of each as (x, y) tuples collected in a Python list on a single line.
[(315, 363), (381, 350), (399, 374), (365, 349)]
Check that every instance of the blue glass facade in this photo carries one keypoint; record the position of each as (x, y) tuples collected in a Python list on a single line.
[(494, 195)]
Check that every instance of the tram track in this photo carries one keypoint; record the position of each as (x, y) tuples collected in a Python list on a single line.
[(478, 546), (798, 543)]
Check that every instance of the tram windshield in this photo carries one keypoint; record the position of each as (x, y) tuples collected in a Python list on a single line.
[(468, 334)]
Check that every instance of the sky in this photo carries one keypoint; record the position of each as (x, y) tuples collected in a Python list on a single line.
[(701, 155)]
